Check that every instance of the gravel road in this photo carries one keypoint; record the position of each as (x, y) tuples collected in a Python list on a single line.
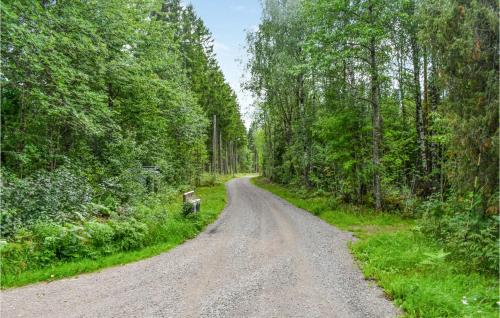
[(262, 258)]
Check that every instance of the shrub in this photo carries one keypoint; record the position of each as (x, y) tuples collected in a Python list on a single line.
[(16, 257), (208, 180), (124, 187), (57, 242), (43, 197), (469, 234), (10, 221), (100, 234), (128, 234), (333, 203)]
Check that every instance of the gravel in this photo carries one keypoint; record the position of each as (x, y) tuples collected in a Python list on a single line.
[(262, 258)]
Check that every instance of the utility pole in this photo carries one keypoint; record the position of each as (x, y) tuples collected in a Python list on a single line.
[(235, 168), (236, 160), (220, 152), (231, 163), (256, 161), (214, 146), (226, 163)]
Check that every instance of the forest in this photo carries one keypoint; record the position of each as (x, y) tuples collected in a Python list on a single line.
[(387, 104), (105, 104)]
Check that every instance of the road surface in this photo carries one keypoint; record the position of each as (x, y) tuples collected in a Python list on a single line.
[(262, 258)]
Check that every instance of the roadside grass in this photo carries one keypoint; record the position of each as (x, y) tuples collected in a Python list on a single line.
[(412, 270), (175, 231)]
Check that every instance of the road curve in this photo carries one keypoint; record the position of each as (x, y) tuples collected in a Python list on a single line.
[(262, 258)]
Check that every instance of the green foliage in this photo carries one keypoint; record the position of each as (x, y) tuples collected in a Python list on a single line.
[(102, 110), (128, 234), (467, 47), (60, 196), (208, 180), (100, 234), (415, 272), (187, 208), (472, 238)]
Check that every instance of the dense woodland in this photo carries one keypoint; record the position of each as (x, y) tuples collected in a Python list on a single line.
[(105, 102), (389, 104)]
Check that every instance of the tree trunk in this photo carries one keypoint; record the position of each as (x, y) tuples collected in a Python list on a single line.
[(302, 111), (400, 82), (425, 115), (377, 122), (419, 116), (434, 101)]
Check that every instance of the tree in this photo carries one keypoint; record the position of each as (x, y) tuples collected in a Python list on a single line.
[(105, 88)]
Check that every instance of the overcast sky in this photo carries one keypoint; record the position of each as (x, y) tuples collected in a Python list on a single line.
[(229, 21)]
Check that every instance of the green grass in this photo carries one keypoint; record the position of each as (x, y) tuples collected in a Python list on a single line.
[(412, 270), (62, 270), (177, 230), (415, 273)]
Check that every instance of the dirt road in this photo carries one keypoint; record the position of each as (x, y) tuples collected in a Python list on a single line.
[(262, 258)]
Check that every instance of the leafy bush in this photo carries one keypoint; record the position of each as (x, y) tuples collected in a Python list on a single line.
[(187, 208), (16, 257), (208, 180), (57, 242), (49, 243), (128, 234), (60, 195), (126, 185), (469, 234), (100, 234), (333, 202)]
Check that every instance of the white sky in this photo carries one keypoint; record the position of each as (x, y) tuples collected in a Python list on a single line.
[(229, 21)]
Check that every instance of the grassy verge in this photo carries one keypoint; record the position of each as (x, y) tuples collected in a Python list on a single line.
[(412, 270), (173, 232)]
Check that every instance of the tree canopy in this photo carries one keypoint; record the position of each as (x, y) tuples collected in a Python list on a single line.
[(118, 94)]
